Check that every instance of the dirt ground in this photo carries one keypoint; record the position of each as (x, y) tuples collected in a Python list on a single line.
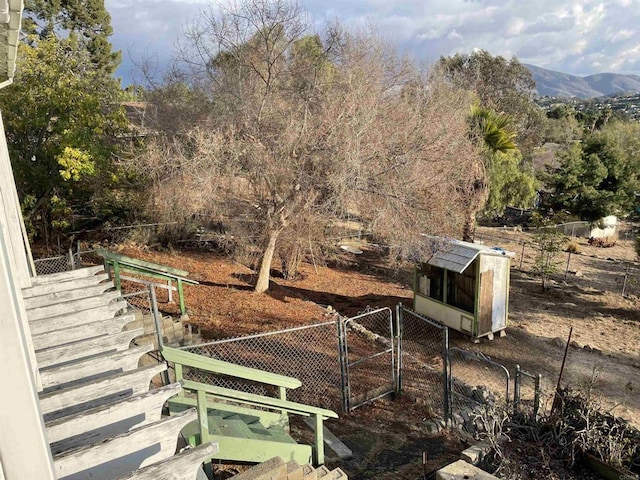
[(604, 353)]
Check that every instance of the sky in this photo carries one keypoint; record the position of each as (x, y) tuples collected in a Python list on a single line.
[(579, 37)]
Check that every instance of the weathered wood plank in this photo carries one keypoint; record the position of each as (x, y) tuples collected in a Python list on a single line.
[(60, 322), (97, 424), (123, 259), (86, 348), (66, 276), (183, 466), (75, 284), (66, 295), (84, 331), (125, 453), (58, 377), (105, 390), (72, 306)]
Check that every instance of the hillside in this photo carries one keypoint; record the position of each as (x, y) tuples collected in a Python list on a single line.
[(556, 84)]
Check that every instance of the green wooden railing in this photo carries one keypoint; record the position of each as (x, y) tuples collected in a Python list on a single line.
[(121, 263), (205, 392)]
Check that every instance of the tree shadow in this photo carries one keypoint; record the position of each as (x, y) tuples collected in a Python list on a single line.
[(343, 304)]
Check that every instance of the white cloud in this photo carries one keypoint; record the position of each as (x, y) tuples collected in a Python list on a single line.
[(574, 36)]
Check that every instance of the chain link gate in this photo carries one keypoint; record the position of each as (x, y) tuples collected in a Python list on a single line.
[(368, 353), (526, 392), (476, 381), (423, 346)]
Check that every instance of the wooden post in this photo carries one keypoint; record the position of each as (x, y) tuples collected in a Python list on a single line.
[(203, 419), (319, 439), (116, 275), (183, 310)]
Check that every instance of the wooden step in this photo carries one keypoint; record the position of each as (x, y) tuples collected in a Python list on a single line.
[(56, 287), (96, 424), (67, 295), (83, 371), (86, 348), (85, 331), (99, 392), (250, 415), (67, 276), (183, 466), (124, 453), (60, 322), (239, 442), (72, 306)]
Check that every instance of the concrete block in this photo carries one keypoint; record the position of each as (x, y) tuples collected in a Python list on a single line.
[(462, 470), (309, 473), (294, 471), (338, 474), (273, 469), (323, 473), (475, 453)]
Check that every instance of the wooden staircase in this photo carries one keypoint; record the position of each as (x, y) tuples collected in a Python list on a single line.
[(248, 427), (102, 420)]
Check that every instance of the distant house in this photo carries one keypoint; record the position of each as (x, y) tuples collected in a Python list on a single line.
[(465, 286)]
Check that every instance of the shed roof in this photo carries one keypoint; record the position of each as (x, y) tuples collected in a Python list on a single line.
[(456, 255)]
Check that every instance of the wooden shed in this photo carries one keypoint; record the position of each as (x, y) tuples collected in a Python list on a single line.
[(465, 286)]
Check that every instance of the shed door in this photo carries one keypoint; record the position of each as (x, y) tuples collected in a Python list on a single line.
[(485, 305)]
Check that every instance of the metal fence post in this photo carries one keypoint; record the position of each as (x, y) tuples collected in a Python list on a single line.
[(398, 335), (158, 327), (446, 373), (522, 254), (626, 278), (516, 389), (72, 263), (536, 395), (343, 360)]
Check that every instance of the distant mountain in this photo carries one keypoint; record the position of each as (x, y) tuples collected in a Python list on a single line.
[(557, 84)]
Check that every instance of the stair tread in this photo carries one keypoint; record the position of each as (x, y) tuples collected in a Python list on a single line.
[(233, 425)]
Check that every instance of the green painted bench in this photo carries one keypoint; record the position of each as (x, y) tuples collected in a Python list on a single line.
[(121, 263), (248, 427)]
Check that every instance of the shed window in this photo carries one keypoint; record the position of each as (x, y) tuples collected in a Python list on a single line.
[(461, 288), (431, 282)]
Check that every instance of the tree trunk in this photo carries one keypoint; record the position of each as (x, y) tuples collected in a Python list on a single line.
[(469, 228), (262, 285)]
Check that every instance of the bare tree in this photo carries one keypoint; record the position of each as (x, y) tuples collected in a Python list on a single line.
[(305, 129)]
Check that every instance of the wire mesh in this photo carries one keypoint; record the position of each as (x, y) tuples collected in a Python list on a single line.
[(423, 369), (476, 380), (87, 258), (310, 354), (370, 356), (46, 266), (526, 396)]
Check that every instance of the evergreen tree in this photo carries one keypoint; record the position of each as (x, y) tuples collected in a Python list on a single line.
[(62, 114)]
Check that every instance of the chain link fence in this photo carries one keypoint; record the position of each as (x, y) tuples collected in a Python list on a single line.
[(476, 380), (423, 346), (609, 274), (47, 266), (310, 354), (369, 357)]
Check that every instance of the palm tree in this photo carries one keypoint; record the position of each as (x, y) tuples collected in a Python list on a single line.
[(494, 131)]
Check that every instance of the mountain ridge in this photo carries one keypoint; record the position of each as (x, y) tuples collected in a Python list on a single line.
[(557, 84)]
